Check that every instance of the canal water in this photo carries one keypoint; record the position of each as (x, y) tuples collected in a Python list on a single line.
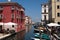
[(29, 34)]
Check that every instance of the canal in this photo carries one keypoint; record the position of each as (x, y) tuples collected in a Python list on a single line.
[(29, 34)]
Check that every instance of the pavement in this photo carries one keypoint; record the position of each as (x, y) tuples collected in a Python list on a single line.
[(2, 35)]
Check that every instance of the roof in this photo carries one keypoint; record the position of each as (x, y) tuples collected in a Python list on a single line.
[(26, 16), (44, 4), (11, 3)]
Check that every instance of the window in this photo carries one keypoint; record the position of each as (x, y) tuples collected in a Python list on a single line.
[(42, 10), (1, 7), (21, 14), (0, 20), (13, 26), (45, 10), (58, 14), (12, 16), (58, 0), (12, 7), (0, 16), (0, 28), (58, 22), (44, 17), (57, 6), (1, 11), (12, 11), (44, 5)]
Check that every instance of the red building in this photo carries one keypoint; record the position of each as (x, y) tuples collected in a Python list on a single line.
[(12, 12)]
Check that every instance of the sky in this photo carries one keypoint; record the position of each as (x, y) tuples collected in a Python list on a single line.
[(32, 8)]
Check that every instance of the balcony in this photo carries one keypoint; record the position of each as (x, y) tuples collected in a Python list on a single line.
[(18, 17), (23, 18), (12, 8)]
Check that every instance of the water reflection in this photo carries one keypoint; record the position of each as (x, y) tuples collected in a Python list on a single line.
[(29, 34)]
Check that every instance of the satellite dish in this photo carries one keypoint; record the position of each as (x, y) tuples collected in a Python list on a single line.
[(9, 0)]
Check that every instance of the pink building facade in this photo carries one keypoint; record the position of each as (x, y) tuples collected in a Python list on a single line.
[(12, 12)]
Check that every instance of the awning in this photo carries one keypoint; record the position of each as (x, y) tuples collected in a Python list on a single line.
[(53, 24), (10, 23), (1, 23)]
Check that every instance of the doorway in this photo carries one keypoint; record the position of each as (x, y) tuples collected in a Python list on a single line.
[(0, 28)]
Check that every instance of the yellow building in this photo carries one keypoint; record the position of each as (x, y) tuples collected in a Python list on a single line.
[(54, 11)]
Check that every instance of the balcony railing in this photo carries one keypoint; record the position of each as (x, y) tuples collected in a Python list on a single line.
[(23, 18), (18, 17), (12, 8)]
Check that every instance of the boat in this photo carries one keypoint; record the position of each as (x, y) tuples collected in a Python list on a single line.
[(43, 36)]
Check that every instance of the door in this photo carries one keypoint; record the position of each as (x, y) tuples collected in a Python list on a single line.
[(0, 28)]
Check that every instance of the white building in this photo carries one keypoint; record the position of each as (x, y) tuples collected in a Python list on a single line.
[(28, 23), (28, 20), (45, 16)]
